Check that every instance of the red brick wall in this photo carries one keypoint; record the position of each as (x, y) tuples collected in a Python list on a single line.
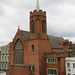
[(33, 58), (18, 70), (60, 66), (66, 47), (55, 50), (44, 46), (37, 58)]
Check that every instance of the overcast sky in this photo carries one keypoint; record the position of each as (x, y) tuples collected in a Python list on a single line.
[(60, 17)]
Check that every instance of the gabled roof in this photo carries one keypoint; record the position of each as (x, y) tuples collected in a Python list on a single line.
[(54, 41)]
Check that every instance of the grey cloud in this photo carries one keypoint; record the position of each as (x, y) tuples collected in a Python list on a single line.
[(1, 10), (60, 17)]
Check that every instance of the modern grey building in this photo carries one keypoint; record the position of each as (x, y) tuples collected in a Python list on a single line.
[(5, 57)]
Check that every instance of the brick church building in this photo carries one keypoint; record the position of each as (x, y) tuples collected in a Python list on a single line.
[(35, 52)]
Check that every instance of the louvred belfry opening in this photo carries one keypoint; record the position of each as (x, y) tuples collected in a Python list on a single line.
[(43, 27)]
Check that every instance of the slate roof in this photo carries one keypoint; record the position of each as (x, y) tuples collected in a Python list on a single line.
[(54, 41), (26, 34)]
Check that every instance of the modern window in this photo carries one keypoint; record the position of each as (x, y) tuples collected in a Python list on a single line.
[(52, 72), (73, 65), (51, 60), (32, 48), (19, 52), (43, 26), (68, 65), (32, 27)]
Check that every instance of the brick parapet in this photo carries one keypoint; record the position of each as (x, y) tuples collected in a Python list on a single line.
[(40, 13), (56, 54)]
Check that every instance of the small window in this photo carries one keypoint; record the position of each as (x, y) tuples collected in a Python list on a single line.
[(7, 51), (2, 58), (7, 65), (68, 65), (1, 65), (2, 51), (69, 74), (73, 65), (8, 57), (69, 70), (52, 72), (51, 60), (32, 48), (5, 58)]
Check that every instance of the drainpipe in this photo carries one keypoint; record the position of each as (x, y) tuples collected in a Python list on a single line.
[(59, 64)]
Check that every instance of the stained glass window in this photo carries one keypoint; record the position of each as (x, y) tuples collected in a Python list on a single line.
[(19, 52)]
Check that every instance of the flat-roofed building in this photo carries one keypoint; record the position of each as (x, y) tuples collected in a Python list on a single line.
[(2, 73), (70, 65)]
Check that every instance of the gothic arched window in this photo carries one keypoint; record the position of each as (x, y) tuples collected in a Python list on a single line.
[(19, 52), (32, 48), (43, 27), (32, 27)]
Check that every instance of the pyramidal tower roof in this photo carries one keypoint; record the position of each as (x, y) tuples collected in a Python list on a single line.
[(37, 6)]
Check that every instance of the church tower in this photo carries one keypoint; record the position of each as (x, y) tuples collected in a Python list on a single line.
[(38, 25)]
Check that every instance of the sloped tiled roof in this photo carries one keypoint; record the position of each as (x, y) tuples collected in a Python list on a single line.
[(54, 41), (26, 34)]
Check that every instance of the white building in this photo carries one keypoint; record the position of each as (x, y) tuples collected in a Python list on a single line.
[(5, 57), (70, 65), (2, 73)]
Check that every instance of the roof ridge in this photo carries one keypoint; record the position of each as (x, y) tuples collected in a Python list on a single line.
[(25, 31), (55, 36)]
